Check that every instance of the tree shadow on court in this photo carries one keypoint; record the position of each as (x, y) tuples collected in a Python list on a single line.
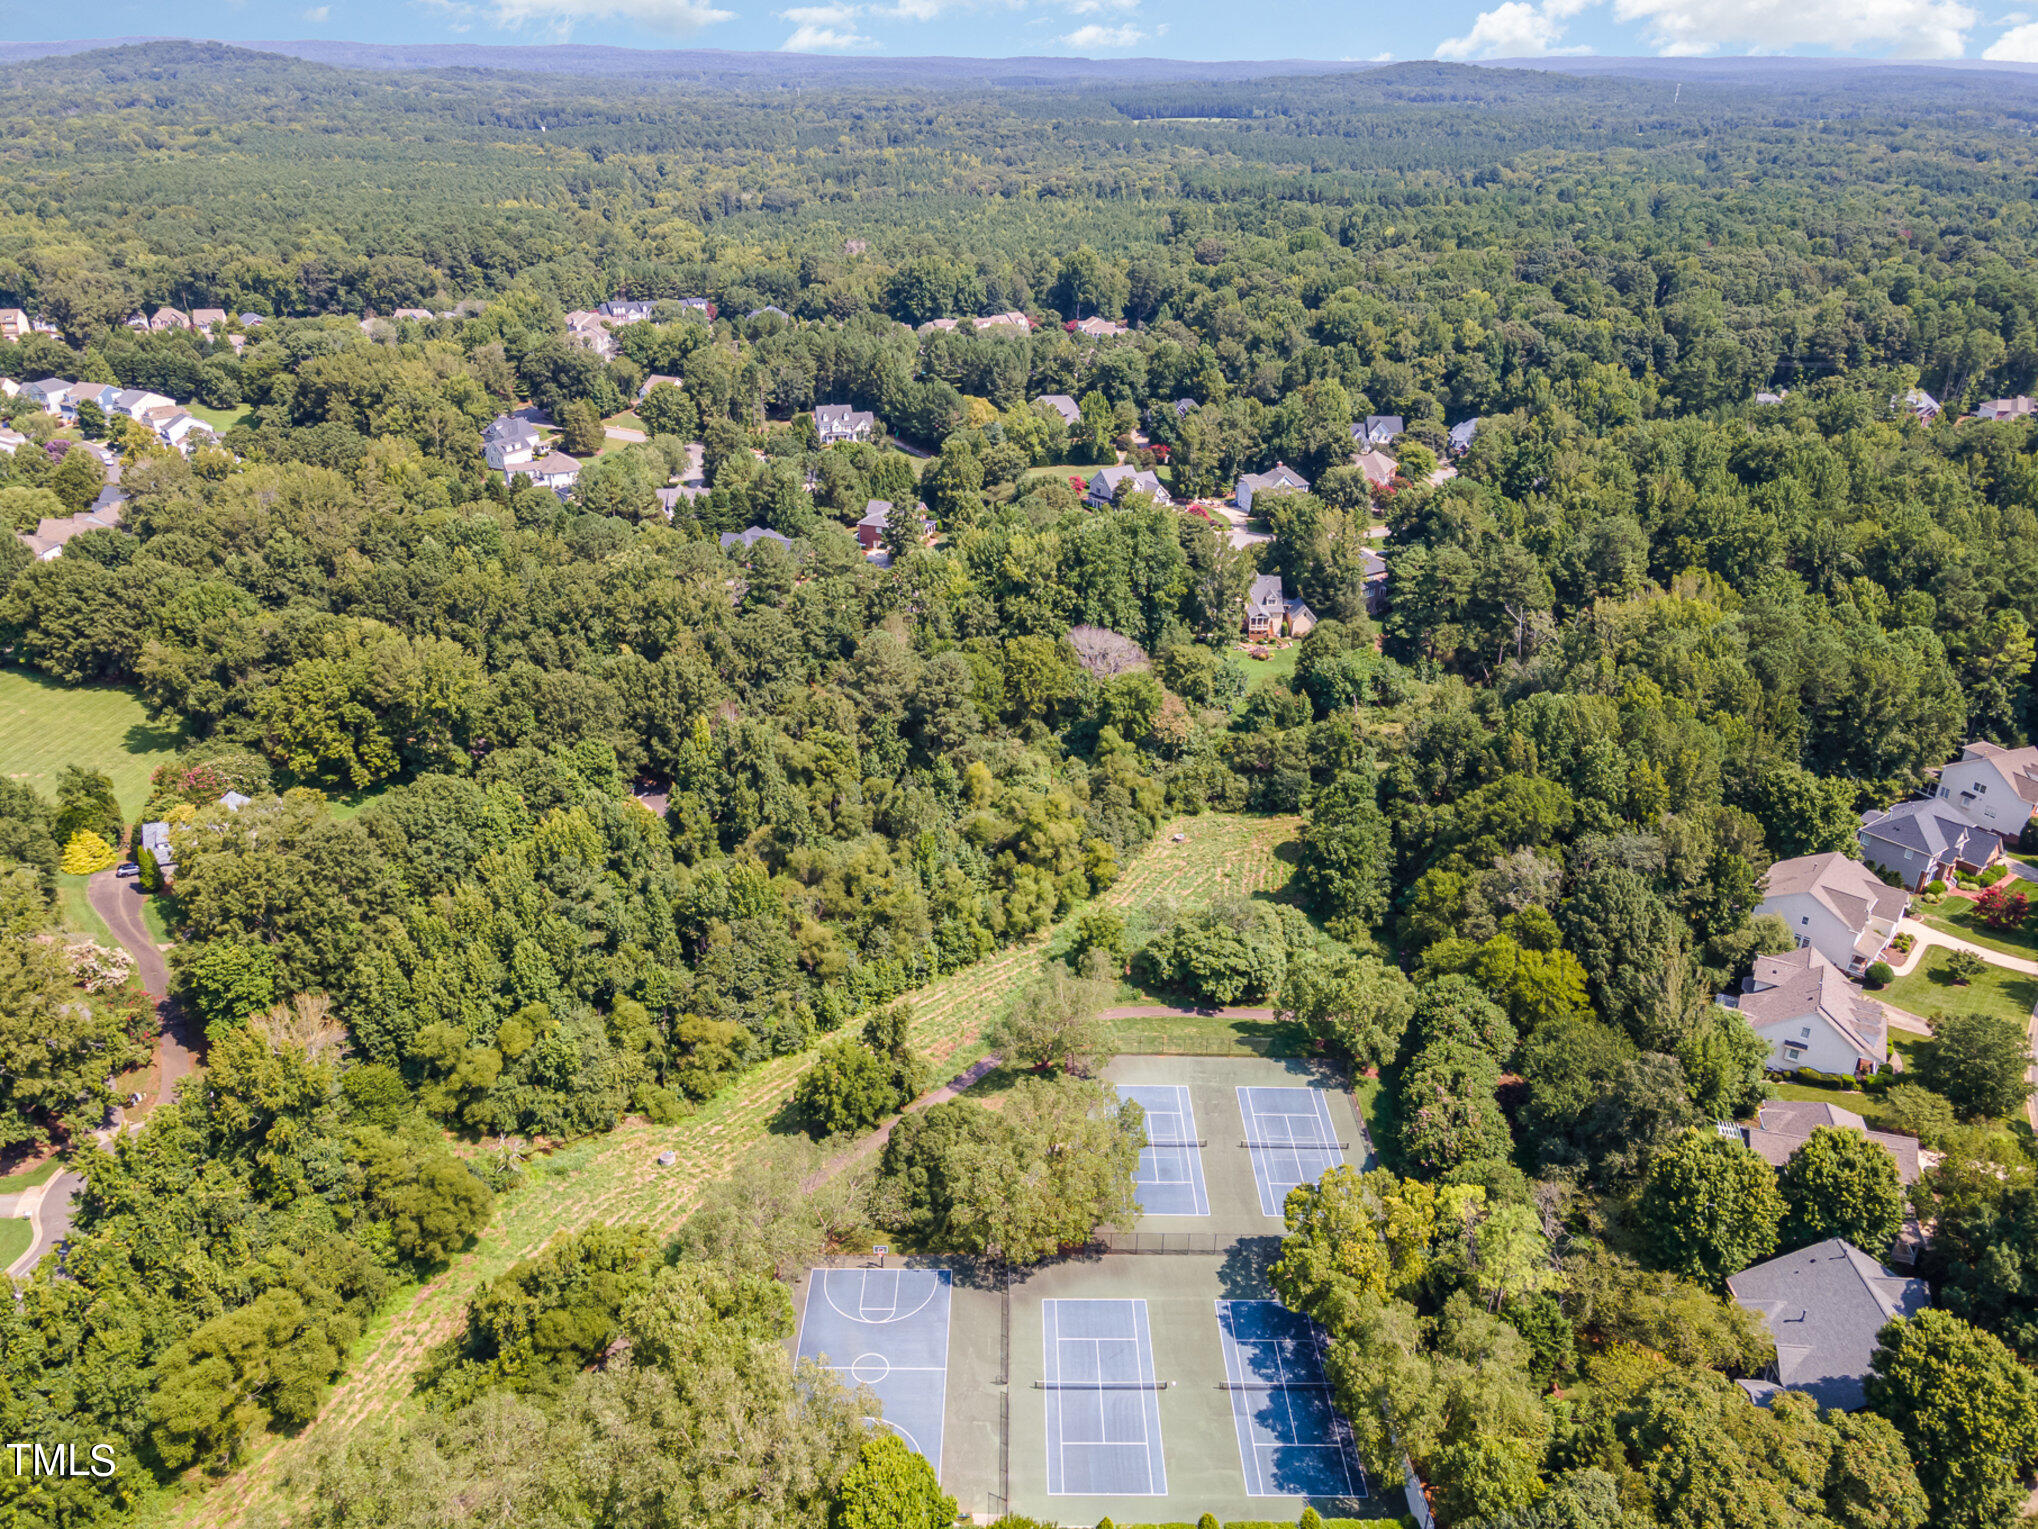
[(1243, 1274)]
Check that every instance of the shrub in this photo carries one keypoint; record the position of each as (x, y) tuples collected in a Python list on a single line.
[(1993, 874), (1935, 887), (86, 853), (1880, 974), (1963, 966)]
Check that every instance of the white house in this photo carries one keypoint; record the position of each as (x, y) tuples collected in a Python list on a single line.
[(1811, 1016), (1280, 479), (1103, 488), (1991, 787), (1835, 905), (555, 470), (838, 422)]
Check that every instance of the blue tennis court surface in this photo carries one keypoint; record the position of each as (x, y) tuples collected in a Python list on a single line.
[(1170, 1177), (1292, 1140), (886, 1329), (1292, 1440), (1103, 1411)]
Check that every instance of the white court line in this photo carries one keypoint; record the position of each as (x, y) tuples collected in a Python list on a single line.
[(868, 1309)]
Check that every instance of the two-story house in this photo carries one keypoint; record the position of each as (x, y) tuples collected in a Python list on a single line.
[(835, 422), (1835, 905), (1103, 488), (1991, 787), (1811, 1016), (1279, 479), (1923, 842)]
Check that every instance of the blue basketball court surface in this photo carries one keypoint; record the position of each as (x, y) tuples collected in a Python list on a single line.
[(1170, 1177), (886, 1329), (1291, 1137), (1292, 1440), (1103, 1405)]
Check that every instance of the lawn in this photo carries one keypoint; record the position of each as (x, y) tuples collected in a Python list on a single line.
[(221, 420), (1207, 1035), (16, 1235), (78, 911), (627, 420), (42, 1173), (351, 804), (45, 726), (1995, 991), (1956, 916), (1277, 667)]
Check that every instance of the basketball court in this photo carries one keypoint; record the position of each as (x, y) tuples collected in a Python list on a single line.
[(886, 1329)]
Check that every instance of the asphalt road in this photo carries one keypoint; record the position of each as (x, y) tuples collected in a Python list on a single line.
[(119, 902)]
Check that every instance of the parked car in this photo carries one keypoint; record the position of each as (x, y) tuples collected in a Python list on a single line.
[(129, 869)]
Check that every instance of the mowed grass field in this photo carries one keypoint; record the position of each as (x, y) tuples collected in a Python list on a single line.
[(616, 1178), (45, 726)]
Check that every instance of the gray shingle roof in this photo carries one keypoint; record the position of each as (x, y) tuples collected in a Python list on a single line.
[(1923, 827), (1846, 887), (1824, 1306), (1783, 1125), (1802, 983), (1265, 598)]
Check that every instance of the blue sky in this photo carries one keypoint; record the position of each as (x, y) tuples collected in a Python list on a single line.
[(1195, 29)]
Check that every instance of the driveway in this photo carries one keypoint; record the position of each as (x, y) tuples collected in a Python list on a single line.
[(1923, 934), (49, 1208), (625, 433), (119, 902)]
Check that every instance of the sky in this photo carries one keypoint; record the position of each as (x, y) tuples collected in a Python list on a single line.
[(1188, 29)]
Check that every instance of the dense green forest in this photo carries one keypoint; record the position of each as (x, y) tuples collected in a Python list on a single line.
[(1651, 637)]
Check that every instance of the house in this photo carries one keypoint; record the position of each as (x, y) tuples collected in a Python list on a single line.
[(1071, 413), (587, 331), (1811, 1016), (135, 402), (50, 536), (1783, 1125), (1990, 786), (1918, 402), (1184, 407), (1103, 488), (1301, 619), (1011, 320), (183, 430), (1377, 431), (1836, 905), (652, 381), (155, 838), (401, 313), (758, 313), (9, 387), (1378, 467), (251, 321), (13, 324), (753, 536), (1824, 1305), (205, 320), (47, 394), (510, 452), (1098, 329), (11, 441), (626, 310), (555, 470), (668, 498), (1265, 606), (169, 318), (1924, 842), (1771, 398), (2019, 407), (877, 516), (1375, 577), (835, 422), (699, 305), (1281, 479)]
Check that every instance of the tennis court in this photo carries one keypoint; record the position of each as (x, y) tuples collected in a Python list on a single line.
[(1103, 1402), (1292, 1441), (1291, 1138), (1170, 1177), (886, 1329)]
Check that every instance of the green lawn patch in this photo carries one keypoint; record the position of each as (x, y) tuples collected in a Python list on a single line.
[(156, 919), (1207, 1035), (1957, 917), (221, 420), (45, 725), (1277, 667), (28, 1178), (78, 911), (17, 1235), (627, 420), (351, 805), (1930, 987)]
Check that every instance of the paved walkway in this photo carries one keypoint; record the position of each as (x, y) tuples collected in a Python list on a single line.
[(625, 433), (1924, 934)]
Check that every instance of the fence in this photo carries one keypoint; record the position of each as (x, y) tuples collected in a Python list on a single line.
[(1165, 1242)]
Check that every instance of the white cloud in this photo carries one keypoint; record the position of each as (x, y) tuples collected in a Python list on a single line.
[(1902, 28), (2018, 46), (1093, 7), (1094, 36), (319, 15), (824, 29), (559, 17), (1515, 29)]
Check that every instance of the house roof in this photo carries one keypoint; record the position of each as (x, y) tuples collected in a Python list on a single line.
[(753, 536), (1063, 405), (1783, 1125), (1845, 888), (552, 464), (1279, 476), (1143, 481), (1824, 1306), (2017, 766), (841, 413), (877, 514), (1792, 987), (1463, 431), (1378, 467), (1923, 828), (1390, 425), (1265, 597)]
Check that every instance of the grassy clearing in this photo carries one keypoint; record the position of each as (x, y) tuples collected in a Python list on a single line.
[(42, 1173), (616, 1178), (17, 1234), (78, 911), (352, 804), (1207, 1035), (1278, 667), (627, 420), (1995, 991), (156, 919), (45, 725), (221, 420), (1957, 917)]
